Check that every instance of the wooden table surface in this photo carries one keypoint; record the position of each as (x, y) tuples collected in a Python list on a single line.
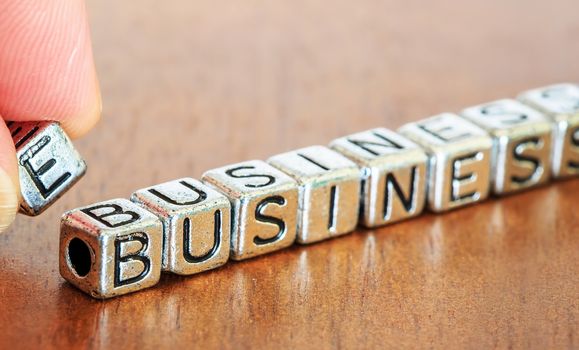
[(191, 85)]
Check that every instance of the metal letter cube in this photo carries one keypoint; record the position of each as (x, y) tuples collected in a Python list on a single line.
[(196, 224), (329, 192), (521, 155), (561, 104), (48, 163), (393, 174), (264, 205), (460, 160), (111, 248)]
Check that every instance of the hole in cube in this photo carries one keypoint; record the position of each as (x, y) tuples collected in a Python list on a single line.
[(79, 256)]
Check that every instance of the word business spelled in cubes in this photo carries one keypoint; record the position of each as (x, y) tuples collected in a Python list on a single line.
[(244, 210)]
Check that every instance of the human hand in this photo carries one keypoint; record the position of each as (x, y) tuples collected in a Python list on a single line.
[(46, 73)]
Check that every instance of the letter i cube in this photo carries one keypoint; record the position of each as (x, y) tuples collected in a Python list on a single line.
[(329, 191)]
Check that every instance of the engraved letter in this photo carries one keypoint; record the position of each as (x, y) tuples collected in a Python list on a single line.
[(259, 216), (111, 215), (407, 202), (121, 258), (445, 133), (506, 117), (233, 173), (574, 163), (461, 181), (366, 145), (201, 195), (519, 154), (190, 258)]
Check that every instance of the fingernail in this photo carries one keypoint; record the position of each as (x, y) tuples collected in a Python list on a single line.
[(8, 200)]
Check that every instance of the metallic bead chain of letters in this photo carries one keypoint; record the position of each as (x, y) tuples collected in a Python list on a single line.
[(375, 177)]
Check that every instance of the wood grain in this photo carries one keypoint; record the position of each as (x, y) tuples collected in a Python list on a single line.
[(192, 85)]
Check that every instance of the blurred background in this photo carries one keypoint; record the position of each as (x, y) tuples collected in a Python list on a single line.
[(271, 76)]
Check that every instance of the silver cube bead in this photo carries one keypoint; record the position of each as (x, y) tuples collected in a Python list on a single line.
[(560, 103), (329, 192), (521, 155), (460, 162), (111, 248), (47, 161), (393, 174), (196, 224), (264, 205)]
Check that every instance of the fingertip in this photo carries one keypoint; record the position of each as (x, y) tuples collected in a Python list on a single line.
[(9, 185), (47, 71), (80, 124), (8, 200)]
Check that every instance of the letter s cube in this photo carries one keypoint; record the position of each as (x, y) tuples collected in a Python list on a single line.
[(521, 156), (48, 163), (561, 104), (111, 248), (264, 206)]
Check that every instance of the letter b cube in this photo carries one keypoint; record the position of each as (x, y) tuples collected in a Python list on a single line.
[(111, 248)]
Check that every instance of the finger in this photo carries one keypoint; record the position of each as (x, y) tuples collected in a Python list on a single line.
[(46, 64), (9, 187)]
